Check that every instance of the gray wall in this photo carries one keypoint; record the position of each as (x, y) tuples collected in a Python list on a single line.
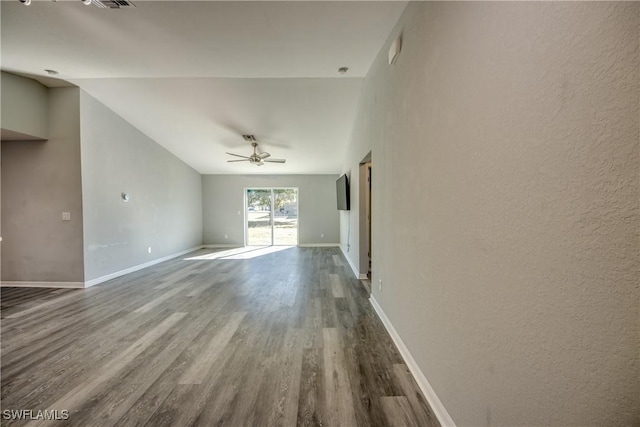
[(505, 149), (223, 198), (40, 180), (24, 108), (165, 207)]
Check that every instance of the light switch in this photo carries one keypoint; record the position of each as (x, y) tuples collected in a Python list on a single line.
[(66, 216)]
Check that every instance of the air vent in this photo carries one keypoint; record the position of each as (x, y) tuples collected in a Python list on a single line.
[(249, 138), (112, 4)]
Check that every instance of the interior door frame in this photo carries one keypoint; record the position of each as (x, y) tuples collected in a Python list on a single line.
[(272, 212), (365, 214)]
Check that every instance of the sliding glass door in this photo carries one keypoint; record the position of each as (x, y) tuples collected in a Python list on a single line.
[(259, 221), (272, 216), (285, 216)]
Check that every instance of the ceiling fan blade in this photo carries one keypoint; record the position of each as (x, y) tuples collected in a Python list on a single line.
[(243, 160), (264, 155), (237, 155), (275, 160)]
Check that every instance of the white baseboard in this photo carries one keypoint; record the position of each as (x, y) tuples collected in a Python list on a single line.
[(435, 403), (21, 284), (215, 246), (108, 277), (353, 267)]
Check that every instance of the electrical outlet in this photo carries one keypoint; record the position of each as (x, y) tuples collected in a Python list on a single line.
[(226, 236), (380, 284), (149, 250), (66, 216), (322, 235)]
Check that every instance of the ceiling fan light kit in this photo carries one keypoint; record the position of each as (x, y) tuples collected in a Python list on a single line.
[(256, 158)]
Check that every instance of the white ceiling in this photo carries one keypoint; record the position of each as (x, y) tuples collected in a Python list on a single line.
[(196, 75)]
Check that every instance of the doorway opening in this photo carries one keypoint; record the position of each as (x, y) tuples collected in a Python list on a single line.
[(271, 216), (365, 217)]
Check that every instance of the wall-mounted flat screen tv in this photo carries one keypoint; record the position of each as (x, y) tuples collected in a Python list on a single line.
[(342, 190)]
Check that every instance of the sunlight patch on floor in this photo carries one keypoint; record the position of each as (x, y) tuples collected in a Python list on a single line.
[(247, 252)]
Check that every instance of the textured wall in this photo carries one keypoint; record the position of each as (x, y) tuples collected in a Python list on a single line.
[(24, 106), (165, 207), (40, 180), (223, 197), (505, 147)]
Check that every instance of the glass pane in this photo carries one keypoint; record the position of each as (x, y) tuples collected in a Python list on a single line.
[(258, 217), (285, 217)]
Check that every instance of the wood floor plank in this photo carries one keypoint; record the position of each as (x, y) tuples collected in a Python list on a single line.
[(116, 401), (329, 315), (311, 404), (420, 409), (245, 409), (149, 403), (398, 411), (81, 393), (278, 338), (337, 386), (47, 304), (212, 401), (198, 371), (336, 286), (178, 276), (197, 290), (156, 302), (313, 323), (91, 339), (284, 405)]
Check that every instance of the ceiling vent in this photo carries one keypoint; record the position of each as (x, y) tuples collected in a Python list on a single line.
[(112, 4)]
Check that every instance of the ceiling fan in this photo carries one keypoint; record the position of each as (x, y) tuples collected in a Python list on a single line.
[(256, 158)]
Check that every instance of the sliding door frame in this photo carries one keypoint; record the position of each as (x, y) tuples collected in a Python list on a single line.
[(272, 212)]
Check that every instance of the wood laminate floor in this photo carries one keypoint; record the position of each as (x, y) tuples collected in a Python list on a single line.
[(247, 337)]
